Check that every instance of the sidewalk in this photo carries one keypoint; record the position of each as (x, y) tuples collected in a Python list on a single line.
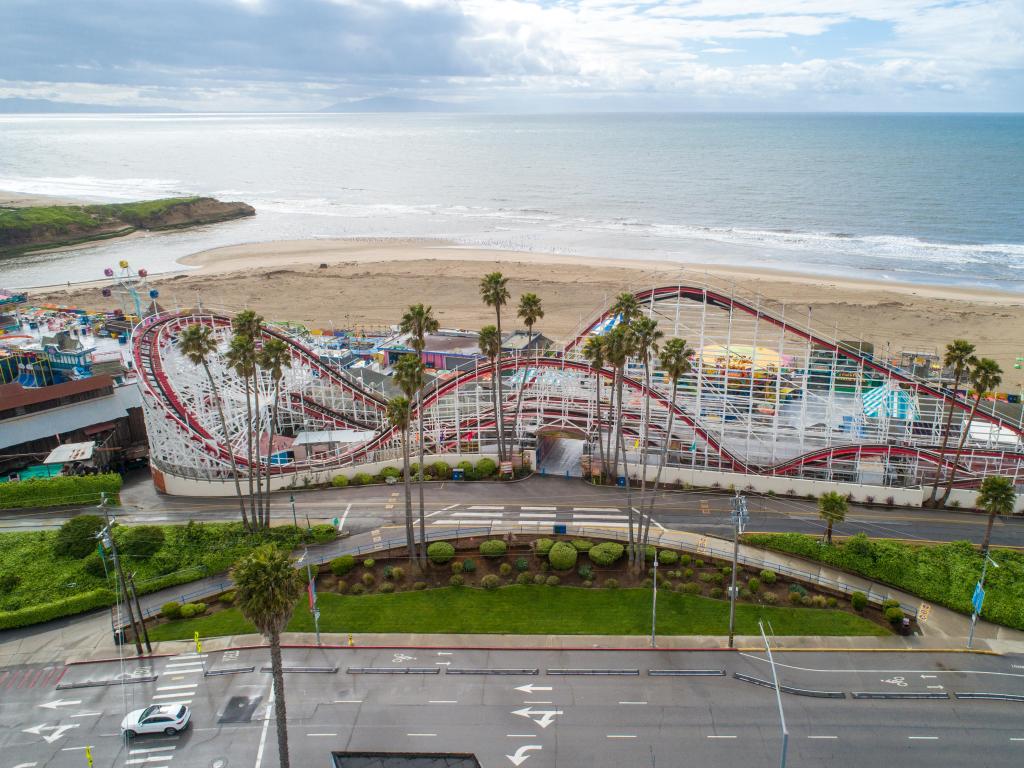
[(90, 636)]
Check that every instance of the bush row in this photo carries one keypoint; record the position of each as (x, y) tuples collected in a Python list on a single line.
[(67, 606), (485, 468), (58, 491)]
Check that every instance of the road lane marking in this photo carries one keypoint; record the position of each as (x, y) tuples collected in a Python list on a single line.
[(544, 515), (597, 509), (632, 702), (721, 737), (443, 663), (176, 702), (450, 506), (344, 517), (176, 687), (146, 759), (444, 653), (923, 738), (822, 737), (443, 701), (87, 714), (484, 506), (538, 702), (191, 656), (519, 736), (151, 749), (539, 509), (321, 734), (478, 514), (421, 734), (1014, 738), (266, 724), (756, 657), (621, 736), (172, 695), (72, 749), (348, 701)]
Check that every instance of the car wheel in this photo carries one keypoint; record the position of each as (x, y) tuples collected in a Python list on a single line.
[(130, 734), (170, 731)]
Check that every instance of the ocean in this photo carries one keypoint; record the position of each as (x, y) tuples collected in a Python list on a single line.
[(914, 198)]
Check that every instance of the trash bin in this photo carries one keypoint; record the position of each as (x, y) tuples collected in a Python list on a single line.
[(905, 626), (119, 636), (621, 481), (560, 529)]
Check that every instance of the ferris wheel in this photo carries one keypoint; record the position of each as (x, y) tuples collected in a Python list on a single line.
[(129, 285)]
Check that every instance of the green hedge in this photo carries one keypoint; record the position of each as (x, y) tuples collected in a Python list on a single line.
[(440, 552), (59, 491), (493, 548), (562, 556), (605, 554), (68, 606), (941, 573)]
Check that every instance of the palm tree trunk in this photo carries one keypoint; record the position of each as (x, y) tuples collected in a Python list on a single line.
[(621, 443), (227, 442), (259, 435), (615, 420), (988, 534), (600, 439), (410, 537), (643, 458), (494, 402), (498, 414), (959, 450), (419, 479), (828, 533), (270, 447), (256, 521), (280, 714), (519, 403), (662, 458), (945, 442)]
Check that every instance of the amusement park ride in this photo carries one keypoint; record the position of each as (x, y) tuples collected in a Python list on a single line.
[(766, 397)]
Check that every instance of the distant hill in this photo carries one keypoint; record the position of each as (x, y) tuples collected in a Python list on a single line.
[(395, 104), (46, 106)]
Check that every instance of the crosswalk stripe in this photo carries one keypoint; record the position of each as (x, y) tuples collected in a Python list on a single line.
[(177, 695), (477, 514), (592, 516), (547, 515), (596, 509), (146, 759), (177, 687), (151, 749), (539, 509), (484, 506)]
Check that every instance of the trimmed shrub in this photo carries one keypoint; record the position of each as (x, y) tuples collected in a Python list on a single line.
[(339, 481), (468, 565), (552, 580), (716, 593), (522, 565), (692, 588), (698, 563), (367, 579), (524, 578), (588, 583), (818, 601), (456, 580), (357, 589), (685, 559), (456, 567), (171, 610), (611, 583), (395, 472), (647, 583), (505, 569), (706, 577), (562, 556), (485, 468), (795, 598), (769, 598), (894, 615), (362, 478), (342, 565), (582, 545), (140, 541), (768, 576), (539, 578), (441, 470), (798, 589), (493, 548), (386, 588), (542, 547), (585, 571), (754, 585), (606, 553), (440, 552), (831, 602), (228, 598), (188, 610), (468, 470), (341, 587), (397, 573), (668, 557), (419, 586), (490, 581), (77, 536), (323, 533), (890, 603), (369, 563)]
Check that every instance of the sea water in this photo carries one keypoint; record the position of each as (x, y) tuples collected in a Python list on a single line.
[(920, 198)]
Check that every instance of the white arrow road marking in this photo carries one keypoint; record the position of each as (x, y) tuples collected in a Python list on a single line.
[(936, 687), (530, 688), (60, 703), (86, 714), (520, 756), (58, 731), (547, 716), (26, 765)]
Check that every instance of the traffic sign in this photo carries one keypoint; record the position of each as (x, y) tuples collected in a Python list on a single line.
[(978, 598)]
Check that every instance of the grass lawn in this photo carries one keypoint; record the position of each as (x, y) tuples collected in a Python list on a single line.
[(533, 610)]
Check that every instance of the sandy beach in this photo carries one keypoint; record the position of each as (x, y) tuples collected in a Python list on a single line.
[(346, 283)]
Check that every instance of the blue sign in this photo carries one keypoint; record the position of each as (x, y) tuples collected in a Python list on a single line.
[(978, 598)]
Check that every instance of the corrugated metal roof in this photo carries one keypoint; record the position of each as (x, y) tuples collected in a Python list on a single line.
[(68, 418), (15, 395)]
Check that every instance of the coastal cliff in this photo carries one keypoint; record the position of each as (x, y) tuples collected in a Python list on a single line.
[(38, 227)]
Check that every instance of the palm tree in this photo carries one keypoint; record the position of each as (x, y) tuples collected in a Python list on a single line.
[(985, 376), (593, 350), (831, 508), (490, 347), (674, 360), (530, 311), (418, 321), (645, 338), (627, 306), (409, 378), (197, 343), (494, 292), (398, 415), (249, 325), (996, 496), (267, 585), (960, 357), (242, 357), (274, 358), (617, 349)]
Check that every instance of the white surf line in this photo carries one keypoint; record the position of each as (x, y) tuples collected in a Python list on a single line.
[(485, 506), (539, 509), (177, 687), (344, 517), (886, 671), (151, 749), (596, 509), (266, 724)]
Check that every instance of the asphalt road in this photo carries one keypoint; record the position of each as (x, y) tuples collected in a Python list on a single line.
[(543, 719), (535, 499)]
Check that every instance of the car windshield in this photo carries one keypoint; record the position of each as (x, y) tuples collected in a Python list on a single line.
[(149, 711)]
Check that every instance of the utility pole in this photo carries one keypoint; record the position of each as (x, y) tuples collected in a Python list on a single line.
[(778, 696), (654, 603), (142, 618), (295, 520), (108, 543), (739, 521)]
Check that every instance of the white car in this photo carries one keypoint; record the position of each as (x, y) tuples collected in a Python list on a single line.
[(166, 718)]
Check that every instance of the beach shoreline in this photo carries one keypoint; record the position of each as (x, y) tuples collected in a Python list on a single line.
[(369, 282)]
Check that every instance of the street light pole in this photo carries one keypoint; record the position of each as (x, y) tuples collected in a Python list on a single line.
[(313, 606), (654, 604), (295, 520), (108, 543), (778, 695), (739, 521), (979, 596)]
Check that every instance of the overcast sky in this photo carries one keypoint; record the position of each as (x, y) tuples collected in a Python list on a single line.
[(253, 55)]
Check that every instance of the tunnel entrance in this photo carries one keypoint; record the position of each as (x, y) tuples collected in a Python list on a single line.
[(560, 451)]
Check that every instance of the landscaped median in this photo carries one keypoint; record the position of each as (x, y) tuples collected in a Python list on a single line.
[(531, 610), (940, 573), (59, 491)]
